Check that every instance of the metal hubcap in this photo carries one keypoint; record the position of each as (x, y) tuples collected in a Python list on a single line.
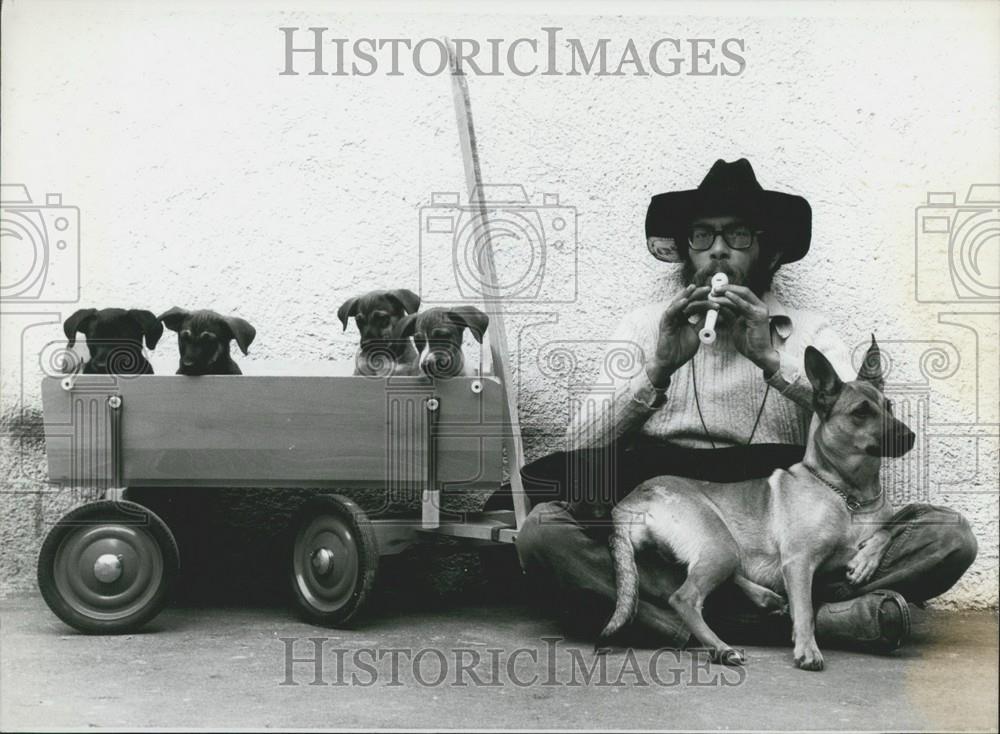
[(326, 585), (108, 568), (322, 561), (108, 571)]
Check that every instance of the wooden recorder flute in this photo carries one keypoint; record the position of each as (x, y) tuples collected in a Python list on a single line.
[(707, 333)]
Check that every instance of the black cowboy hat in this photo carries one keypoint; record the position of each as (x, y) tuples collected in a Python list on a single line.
[(730, 189)]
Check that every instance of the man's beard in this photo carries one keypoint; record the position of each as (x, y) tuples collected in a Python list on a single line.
[(756, 280)]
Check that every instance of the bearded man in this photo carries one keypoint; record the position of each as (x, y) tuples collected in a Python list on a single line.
[(735, 410)]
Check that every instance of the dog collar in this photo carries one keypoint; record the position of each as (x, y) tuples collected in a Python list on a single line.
[(852, 502)]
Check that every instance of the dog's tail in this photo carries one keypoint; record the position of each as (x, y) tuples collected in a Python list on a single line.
[(626, 578)]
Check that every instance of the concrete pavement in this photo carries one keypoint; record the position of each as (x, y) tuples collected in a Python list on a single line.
[(230, 667)]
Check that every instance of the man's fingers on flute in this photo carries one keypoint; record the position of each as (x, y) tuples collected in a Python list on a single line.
[(702, 306), (739, 303), (743, 306), (741, 291), (684, 296), (676, 306)]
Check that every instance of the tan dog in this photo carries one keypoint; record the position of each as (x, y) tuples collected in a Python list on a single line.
[(772, 536)]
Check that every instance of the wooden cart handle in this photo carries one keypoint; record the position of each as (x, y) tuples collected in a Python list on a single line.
[(492, 302)]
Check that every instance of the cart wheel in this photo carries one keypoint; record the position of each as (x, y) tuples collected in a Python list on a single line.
[(107, 567), (334, 560)]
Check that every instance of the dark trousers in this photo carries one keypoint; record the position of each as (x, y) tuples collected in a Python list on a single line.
[(564, 552)]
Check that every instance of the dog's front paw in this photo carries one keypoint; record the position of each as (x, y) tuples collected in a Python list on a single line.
[(861, 571), (808, 656), (772, 602), (867, 559), (862, 566), (729, 656)]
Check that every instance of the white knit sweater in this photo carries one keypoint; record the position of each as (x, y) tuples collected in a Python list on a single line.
[(730, 387)]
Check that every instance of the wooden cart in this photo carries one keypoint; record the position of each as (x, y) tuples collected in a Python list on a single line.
[(107, 566)]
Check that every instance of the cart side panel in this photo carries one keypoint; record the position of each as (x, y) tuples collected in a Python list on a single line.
[(77, 428), (283, 431)]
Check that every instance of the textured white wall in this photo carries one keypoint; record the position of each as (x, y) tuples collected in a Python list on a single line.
[(205, 179)]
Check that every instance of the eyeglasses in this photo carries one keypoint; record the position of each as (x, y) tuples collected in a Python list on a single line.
[(737, 236)]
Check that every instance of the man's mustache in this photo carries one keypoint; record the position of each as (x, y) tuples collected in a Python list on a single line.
[(703, 276)]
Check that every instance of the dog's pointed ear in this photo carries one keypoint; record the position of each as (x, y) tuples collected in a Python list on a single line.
[(152, 327), (473, 318), (871, 367), (242, 331), (173, 318), (77, 322), (407, 299), (347, 310), (824, 379), (406, 326)]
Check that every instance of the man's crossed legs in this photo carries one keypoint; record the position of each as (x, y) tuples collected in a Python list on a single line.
[(566, 557)]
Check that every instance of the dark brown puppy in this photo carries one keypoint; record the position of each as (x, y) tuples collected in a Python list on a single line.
[(377, 313), (438, 333), (203, 340), (114, 339)]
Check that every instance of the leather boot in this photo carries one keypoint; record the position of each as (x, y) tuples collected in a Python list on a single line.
[(877, 621)]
